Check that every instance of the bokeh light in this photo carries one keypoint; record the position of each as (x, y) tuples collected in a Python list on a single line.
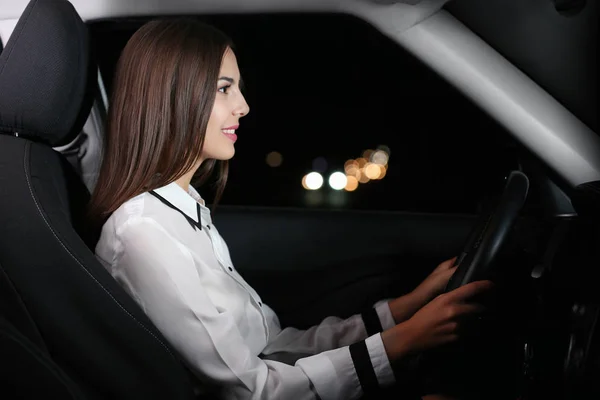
[(380, 157), (338, 180), (363, 178), (274, 159), (351, 184), (312, 181), (372, 171), (385, 149), (370, 166), (351, 167)]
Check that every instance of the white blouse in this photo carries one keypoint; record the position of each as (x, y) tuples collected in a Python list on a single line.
[(162, 247)]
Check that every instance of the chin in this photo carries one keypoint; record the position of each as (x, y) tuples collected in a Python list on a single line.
[(223, 152), (226, 156)]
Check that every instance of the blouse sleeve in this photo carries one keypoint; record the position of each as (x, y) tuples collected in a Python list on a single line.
[(160, 274), (330, 333)]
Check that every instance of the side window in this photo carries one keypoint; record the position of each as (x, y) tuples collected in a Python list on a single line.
[(342, 117), (7, 26)]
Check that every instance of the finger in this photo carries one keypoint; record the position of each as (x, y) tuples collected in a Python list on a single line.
[(470, 289), (464, 310), (448, 338), (446, 275), (447, 264), (453, 261), (449, 272)]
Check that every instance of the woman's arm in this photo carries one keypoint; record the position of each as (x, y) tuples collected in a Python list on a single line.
[(331, 333), (334, 332), (161, 275)]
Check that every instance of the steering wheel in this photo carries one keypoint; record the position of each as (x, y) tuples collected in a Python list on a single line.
[(489, 233)]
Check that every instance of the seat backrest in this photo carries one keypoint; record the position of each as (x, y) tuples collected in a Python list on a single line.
[(24, 358), (27, 372), (69, 307)]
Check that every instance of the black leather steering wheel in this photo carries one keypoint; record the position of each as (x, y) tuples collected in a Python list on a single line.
[(489, 233)]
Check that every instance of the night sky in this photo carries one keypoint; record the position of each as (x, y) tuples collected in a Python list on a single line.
[(332, 86)]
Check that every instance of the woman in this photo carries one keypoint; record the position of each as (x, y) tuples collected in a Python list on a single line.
[(174, 113)]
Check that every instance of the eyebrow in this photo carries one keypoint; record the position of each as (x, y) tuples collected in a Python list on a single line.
[(231, 80)]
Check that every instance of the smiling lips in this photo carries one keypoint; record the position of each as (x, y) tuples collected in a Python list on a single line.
[(230, 132)]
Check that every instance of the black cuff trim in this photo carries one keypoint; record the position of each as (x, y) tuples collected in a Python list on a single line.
[(371, 321), (364, 367)]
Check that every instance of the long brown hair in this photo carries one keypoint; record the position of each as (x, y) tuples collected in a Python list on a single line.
[(164, 90)]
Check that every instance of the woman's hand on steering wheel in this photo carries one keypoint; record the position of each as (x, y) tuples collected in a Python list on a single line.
[(437, 323), (405, 306), (436, 282)]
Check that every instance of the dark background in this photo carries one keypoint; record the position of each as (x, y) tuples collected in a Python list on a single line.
[(332, 86)]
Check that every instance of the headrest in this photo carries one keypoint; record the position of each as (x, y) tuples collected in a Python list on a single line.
[(46, 74), (586, 200)]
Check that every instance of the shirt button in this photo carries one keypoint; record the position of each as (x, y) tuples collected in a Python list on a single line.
[(208, 226), (260, 304), (231, 269)]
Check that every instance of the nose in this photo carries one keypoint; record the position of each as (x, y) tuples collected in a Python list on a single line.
[(242, 109)]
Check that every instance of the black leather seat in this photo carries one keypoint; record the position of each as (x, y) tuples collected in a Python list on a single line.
[(64, 322), (27, 372)]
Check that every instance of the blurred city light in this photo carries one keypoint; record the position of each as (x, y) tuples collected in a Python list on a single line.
[(372, 171), (380, 157), (352, 184), (338, 180), (370, 166), (361, 162), (385, 149), (351, 168), (274, 159), (312, 181)]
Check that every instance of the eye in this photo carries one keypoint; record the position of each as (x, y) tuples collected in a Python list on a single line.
[(224, 89)]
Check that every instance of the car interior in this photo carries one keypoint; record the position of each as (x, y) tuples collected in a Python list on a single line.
[(68, 330)]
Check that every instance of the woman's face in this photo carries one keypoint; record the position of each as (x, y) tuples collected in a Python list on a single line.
[(229, 107)]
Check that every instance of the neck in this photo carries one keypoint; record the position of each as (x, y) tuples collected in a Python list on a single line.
[(184, 180), (184, 183)]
